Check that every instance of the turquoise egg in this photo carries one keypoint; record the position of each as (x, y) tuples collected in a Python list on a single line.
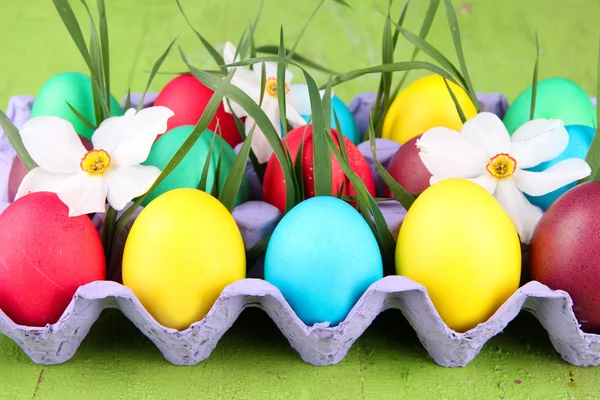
[(322, 256), (556, 98), (580, 139), (76, 89), (345, 117), (189, 171)]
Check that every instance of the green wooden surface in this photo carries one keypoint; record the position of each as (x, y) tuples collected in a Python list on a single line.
[(253, 360)]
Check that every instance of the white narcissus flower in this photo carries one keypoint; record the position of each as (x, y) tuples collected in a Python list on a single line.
[(84, 180), (297, 102), (484, 153)]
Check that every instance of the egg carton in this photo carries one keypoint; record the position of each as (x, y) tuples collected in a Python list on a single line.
[(319, 344)]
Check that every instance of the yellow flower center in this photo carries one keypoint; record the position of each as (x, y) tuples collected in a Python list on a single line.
[(271, 87), (501, 166), (95, 162)]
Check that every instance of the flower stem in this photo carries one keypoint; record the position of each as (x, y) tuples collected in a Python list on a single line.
[(108, 231)]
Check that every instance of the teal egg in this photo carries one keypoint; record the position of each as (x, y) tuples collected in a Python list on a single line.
[(580, 139), (322, 256), (556, 98), (76, 89), (189, 171), (345, 117)]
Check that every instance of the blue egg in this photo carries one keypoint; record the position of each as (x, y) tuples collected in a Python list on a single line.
[(580, 139), (344, 115), (323, 256)]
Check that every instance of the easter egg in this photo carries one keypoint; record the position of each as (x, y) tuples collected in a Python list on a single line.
[(408, 170), (46, 256), (73, 88), (322, 256), (345, 117), (274, 182), (425, 104), (580, 139), (556, 98), (187, 97), (189, 171), (458, 242), (183, 249), (564, 251)]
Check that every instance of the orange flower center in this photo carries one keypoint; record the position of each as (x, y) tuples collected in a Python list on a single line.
[(501, 166), (271, 87), (95, 162)]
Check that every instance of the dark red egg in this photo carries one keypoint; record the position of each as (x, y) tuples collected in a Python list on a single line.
[(187, 97), (274, 183), (408, 170), (45, 256), (565, 251)]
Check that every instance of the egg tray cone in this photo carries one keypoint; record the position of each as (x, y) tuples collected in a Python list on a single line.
[(319, 344)]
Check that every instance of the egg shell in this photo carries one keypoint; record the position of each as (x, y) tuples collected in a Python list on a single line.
[(189, 171), (46, 256), (408, 170), (458, 242), (322, 256), (274, 183), (425, 104), (187, 97), (76, 89), (556, 98), (580, 139), (183, 249), (345, 117), (565, 251)]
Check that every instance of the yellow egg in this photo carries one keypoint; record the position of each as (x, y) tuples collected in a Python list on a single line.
[(425, 104), (458, 242), (182, 251)]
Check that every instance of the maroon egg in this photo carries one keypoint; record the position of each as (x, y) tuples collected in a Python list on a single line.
[(18, 172), (408, 170), (565, 251)]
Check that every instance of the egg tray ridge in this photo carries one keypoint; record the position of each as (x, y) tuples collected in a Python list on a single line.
[(319, 344)]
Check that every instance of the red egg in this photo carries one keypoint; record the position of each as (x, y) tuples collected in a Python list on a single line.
[(565, 251), (408, 170), (274, 183), (187, 97), (44, 257)]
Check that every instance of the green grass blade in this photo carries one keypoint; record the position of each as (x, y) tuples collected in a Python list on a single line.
[(14, 137), (252, 29), (234, 179), (263, 83), (254, 253), (211, 50), (281, 85), (258, 167), (243, 47), (104, 45), (387, 57), (271, 49), (455, 31), (535, 77), (155, 68), (70, 21), (303, 31), (207, 162), (258, 115), (298, 169), (400, 23), (593, 155), (343, 2), (128, 99), (216, 191), (321, 153), (459, 110), (327, 106), (81, 117), (399, 193), (207, 116), (97, 74)]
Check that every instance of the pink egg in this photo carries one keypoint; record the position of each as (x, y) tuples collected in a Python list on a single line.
[(45, 256)]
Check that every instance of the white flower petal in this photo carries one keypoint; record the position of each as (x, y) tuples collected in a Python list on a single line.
[(53, 144), (486, 181), (557, 176), (128, 139), (82, 193), (487, 132), (128, 182), (447, 154), (229, 54), (538, 141), (271, 71), (299, 98), (293, 117), (524, 215)]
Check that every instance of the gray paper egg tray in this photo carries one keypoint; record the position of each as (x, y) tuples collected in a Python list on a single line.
[(319, 344)]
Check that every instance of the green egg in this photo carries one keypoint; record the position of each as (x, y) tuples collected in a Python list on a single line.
[(556, 98), (76, 89), (189, 171)]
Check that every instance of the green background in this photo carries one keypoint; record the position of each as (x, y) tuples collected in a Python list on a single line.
[(253, 360)]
